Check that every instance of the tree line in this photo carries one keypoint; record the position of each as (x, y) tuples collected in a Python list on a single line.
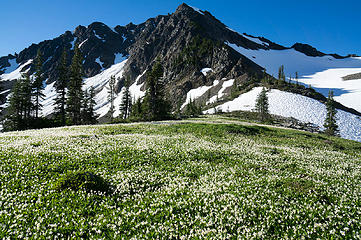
[(72, 104), (75, 106)]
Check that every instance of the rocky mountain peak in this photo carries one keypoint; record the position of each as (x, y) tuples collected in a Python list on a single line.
[(184, 8)]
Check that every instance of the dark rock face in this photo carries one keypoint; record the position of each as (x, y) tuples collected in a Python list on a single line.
[(308, 50)]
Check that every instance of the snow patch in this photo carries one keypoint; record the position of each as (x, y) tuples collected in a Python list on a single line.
[(198, 92), (197, 10), (256, 40), (346, 92), (205, 71), (100, 84), (220, 94), (49, 100), (103, 78), (82, 43), (135, 88), (103, 40), (73, 43), (16, 74)]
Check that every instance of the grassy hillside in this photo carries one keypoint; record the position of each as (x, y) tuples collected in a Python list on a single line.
[(214, 178)]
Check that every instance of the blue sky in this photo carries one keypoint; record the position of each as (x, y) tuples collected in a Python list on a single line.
[(331, 26)]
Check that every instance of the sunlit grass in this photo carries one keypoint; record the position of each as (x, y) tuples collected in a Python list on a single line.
[(188, 180)]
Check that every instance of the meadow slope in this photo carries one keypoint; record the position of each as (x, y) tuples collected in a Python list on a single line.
[(215, 178)]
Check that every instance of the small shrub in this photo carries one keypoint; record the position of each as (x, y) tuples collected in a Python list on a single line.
[(82, 180)]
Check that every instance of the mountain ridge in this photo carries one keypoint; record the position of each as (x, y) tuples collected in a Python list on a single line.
[(187, 42)]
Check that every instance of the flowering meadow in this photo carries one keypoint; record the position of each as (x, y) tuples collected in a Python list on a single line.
[(195, 179)]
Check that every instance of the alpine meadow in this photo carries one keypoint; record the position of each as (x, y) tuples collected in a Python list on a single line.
[(178, 127)]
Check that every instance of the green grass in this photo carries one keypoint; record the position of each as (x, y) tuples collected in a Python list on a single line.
[(207, 178)]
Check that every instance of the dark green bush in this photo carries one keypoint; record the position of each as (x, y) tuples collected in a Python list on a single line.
[(82, 180)]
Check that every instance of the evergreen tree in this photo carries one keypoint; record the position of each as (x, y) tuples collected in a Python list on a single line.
[(234, 89), (111, 96), (25, 96), (296, 77), (262, 105), (209, 94), (192, 109), (20, 105), (126, 104), (84, 108), (88, 113), (91, 107), (75, 93), (155, 107), (330, 124), (61, 85), (281, 75), (38, 85), (13, 119), (2, 97), (137, 111)]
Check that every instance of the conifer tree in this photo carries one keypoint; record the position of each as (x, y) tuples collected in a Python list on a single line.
[(38, 85), (111, 96), (296, 77), (330, 124), (84, 113), (88, 112), (91, 107), (137, 111), (2, 98), (234, 89), (155, 107), (192, 109), (20, 105), (281, 75), (75, 93), (25, 96), (209, 94), (60, 86), (262, 105), (13, 118), (126, 104)]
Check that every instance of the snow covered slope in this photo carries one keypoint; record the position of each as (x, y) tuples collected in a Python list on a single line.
[(100, 83), (297, 106), (14, 71), (322, 73)]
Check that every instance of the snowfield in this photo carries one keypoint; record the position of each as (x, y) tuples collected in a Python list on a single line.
[(297, 106), (220, 94), (198, 92), (16, 73), (322, 73)]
